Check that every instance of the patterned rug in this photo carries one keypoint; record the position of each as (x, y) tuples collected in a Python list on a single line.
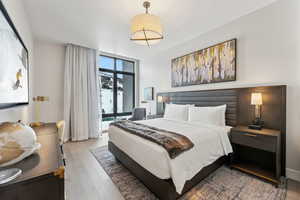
[(223, 184)]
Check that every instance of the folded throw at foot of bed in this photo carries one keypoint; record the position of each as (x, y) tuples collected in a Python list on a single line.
[(173, 143)]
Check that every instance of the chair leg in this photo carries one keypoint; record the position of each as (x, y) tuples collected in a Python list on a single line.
[(63, 155)]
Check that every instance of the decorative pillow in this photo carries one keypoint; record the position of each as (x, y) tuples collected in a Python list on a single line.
[(210, 115), (177, 112)]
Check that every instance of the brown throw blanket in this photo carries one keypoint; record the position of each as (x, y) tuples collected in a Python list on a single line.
[(174, 143)]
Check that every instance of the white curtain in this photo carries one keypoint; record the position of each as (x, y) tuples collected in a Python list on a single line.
[(82, 112)]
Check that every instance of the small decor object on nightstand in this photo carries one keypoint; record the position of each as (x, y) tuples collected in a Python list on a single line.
[(256, 99)]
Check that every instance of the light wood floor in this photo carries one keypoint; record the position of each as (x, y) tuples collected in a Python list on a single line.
[(86, 180)]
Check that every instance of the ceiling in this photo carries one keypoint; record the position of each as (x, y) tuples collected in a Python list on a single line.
[(105, 24)]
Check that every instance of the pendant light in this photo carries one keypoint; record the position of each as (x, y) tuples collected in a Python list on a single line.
[(146, 29)]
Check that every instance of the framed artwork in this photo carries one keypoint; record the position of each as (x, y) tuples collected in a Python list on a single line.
[(210, 65), (14, 67), (149, 94)]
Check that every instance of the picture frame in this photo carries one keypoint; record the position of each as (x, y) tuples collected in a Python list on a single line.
[(149, 94), (214, 64), (14, 82)]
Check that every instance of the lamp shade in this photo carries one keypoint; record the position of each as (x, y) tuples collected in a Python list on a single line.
[(159, 99), (163, 99), (146, 29), (256, 99)]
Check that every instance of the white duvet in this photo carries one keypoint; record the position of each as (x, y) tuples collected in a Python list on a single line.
[(210, 143)]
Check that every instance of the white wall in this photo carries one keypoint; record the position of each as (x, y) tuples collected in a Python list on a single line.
[(18, 15), (49, 74), (267, 53)]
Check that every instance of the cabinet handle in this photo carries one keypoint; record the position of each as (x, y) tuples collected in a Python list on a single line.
[(251, 135)]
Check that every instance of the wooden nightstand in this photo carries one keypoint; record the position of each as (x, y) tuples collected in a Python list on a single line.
[(154, 116), (257, 152)]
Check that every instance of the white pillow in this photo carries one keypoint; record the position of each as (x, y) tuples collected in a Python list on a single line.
[(222, 110), (210, 115), (177, 112)]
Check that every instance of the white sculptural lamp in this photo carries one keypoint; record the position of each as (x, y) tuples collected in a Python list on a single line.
[(18, 141)]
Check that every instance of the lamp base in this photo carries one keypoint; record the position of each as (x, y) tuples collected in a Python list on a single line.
[(36, 124), (255, 127), (258, 124)]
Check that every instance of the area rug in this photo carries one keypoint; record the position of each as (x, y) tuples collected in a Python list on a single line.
[(223, 184)]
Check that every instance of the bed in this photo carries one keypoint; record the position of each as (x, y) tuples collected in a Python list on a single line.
[(210, 143), (169, 178), (149, 162)]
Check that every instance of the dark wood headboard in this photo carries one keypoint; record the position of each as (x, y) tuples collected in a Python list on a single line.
[(207, 98), (239, 109)]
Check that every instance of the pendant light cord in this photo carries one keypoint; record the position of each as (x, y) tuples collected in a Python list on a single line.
[(146, 5)]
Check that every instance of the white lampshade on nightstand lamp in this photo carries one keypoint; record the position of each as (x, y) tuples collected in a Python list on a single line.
[(257, 101), (163, 100), (159, 99)]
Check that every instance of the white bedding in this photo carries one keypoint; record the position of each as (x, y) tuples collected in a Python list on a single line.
[(210, 143)]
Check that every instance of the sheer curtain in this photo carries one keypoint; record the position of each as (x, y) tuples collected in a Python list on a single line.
[(82, 112)]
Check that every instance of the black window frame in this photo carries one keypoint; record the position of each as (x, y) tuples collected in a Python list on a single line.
[(115, 73)]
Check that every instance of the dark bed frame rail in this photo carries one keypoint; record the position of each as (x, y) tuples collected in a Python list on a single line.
[(163, 189)]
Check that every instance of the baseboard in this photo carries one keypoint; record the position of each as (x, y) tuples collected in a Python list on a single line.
[(293, 174)]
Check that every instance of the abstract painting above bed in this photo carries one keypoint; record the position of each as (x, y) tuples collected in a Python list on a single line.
[(14, 87), (210, 65)]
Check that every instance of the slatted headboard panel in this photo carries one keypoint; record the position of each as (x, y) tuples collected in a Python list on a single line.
[(207, 98)]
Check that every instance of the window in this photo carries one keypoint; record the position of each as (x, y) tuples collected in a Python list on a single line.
[(117, 87)]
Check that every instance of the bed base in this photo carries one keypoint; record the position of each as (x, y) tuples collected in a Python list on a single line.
[(164, 189)]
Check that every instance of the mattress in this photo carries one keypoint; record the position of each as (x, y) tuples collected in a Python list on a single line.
[(210, 143)]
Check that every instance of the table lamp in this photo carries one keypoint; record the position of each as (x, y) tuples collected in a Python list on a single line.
[(256, 100), (38, 100), (163, 100), (159, 99)]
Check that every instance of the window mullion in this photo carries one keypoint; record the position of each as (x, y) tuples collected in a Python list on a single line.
[(115, 90)]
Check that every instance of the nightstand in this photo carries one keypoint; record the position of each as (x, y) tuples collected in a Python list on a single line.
[(257, 152), (154, 116)]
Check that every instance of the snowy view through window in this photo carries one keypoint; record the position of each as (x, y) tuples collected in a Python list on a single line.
[(117, 88)]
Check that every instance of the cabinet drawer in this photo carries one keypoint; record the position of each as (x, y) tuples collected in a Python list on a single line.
[(263, 142)]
